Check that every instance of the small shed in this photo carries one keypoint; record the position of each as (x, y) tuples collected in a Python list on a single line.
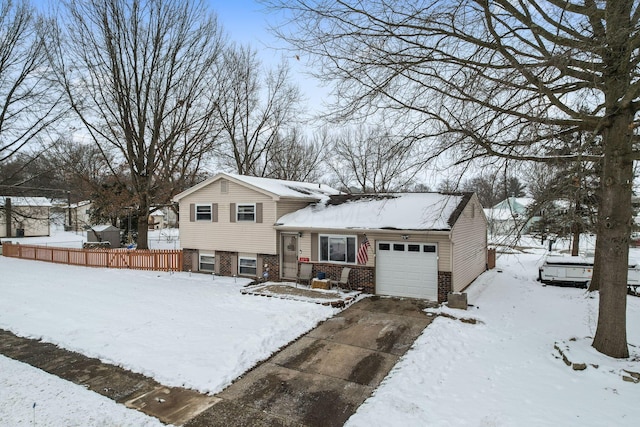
[(104, 233)]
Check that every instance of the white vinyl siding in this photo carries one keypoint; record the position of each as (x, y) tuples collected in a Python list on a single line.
[(34, 220), (469, 238), (225, 235), (308, 244)]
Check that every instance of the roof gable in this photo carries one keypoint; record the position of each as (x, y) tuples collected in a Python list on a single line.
[(275, 188), (395, 211), (516, 204)]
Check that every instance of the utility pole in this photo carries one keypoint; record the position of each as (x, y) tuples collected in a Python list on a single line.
[(69, 205), (8, 214)]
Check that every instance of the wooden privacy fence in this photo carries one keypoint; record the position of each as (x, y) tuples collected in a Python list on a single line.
[(158, 260)]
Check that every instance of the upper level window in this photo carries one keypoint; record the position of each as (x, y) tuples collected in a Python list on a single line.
[(338, 249), (203, 212), (246, 213)]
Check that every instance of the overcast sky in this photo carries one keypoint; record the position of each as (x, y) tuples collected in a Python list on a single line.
[(246, 21)]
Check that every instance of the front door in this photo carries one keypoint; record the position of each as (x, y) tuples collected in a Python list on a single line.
[(289, 250)]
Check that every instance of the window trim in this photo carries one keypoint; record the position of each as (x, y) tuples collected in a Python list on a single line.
[(339, 236), (197, 205), (238, 205), (255, 260), (200, 262)]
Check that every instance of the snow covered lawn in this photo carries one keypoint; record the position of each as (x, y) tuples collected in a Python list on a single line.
[(57, 402), (181, 329), (194, 331), (504, 371)]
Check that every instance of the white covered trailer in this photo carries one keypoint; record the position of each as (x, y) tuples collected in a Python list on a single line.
[(577, 271)]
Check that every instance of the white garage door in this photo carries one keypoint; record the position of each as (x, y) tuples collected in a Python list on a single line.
[(407, 270)]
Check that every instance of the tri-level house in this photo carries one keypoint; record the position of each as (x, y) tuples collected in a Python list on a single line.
[(421, 245)]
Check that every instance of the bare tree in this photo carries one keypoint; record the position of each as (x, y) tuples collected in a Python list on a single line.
[(371, 159), (498, 78), (296, 157), (255, 107), (486, 185), (568, 190), (137, 74), (29, 101)]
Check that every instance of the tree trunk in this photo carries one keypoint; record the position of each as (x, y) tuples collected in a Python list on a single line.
[(595, 277), (143, 215), (143, 228), (614, 219), (575, 242)]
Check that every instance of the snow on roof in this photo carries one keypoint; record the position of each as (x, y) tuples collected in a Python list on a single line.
[(103, 227), (80, 204), (513, 202), (401, 211), (287, 188), (502, 214), (276, 187), (26, 201), (157, 212)]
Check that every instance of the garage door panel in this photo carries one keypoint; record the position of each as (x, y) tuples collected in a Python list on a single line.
[(407, 269)]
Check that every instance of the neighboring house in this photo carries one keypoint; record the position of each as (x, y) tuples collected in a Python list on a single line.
[(164, 217), (512, 215), (80, 215), (24, 216), (419, 244), (157, 220)]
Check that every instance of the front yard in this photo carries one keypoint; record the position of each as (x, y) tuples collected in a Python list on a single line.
[(182, 329), (201, 332)]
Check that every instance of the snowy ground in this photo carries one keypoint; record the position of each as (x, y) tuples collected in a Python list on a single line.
[(181, 329), (504, 371), (31, 397), (168, 238), (192, 330)]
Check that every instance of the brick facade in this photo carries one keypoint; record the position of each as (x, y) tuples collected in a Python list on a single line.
[(273, 266), (360, 277), (444, 285)]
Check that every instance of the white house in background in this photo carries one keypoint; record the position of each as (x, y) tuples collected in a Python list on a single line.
[(80, 215), (511, 215), (411, 244), (157, 220), (163, 217), (24, 216)]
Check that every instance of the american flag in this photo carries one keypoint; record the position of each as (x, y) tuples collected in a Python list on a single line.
[(363, 251)]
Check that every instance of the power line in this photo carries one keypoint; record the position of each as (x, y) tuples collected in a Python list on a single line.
[(32, 188)]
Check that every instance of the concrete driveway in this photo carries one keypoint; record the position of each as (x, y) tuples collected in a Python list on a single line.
[(323, 377)]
